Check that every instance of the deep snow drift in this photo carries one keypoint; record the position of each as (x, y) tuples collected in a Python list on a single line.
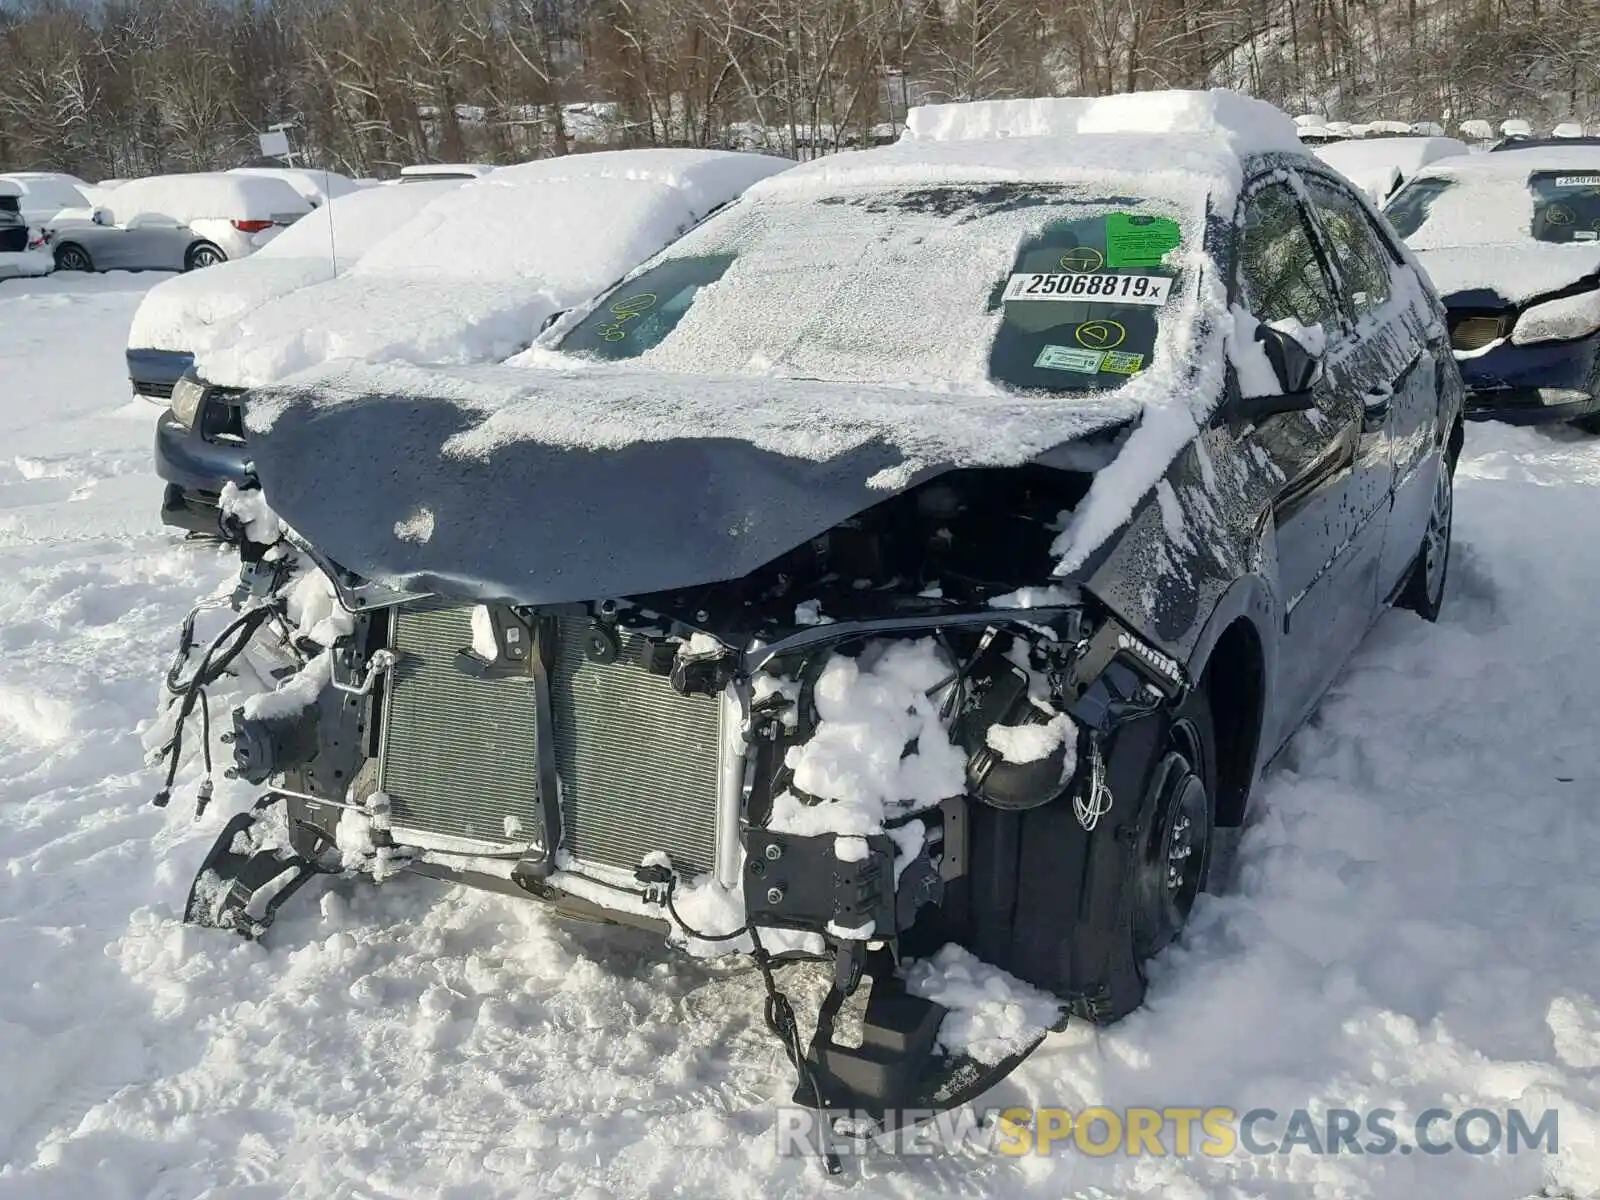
[(1414, 924)]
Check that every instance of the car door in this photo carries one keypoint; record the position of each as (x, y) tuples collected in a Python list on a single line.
[(1403, 341), (1332, 463)]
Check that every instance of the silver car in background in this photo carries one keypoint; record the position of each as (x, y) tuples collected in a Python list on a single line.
[(176, 223)]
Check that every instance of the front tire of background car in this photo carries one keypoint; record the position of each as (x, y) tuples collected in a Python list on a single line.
[(72, 257), (1423, 592), (202, 255)]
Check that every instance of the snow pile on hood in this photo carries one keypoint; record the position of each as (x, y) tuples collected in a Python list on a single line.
[(992, 1016), (1376, 165), (180, 313), (1243, 124), (880, 751), (474, 276)]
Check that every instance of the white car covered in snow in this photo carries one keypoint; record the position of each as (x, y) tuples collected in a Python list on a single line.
[(318, 187), (177, 223), (45, 194), (912, 566), (1381, 165), (181, 315), (472, 277)]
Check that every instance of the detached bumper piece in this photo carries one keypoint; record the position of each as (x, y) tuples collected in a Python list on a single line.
[(248, 875), (1531, 406)]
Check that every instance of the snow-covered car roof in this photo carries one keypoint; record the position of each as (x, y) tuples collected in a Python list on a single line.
[(1470, 221), (1377, 165), (318, 187), (475, 274), (205, 195), (44, 191), (180, 313)]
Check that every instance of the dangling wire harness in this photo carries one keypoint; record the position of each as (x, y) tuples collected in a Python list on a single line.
[(191, 692), (777, 1011)]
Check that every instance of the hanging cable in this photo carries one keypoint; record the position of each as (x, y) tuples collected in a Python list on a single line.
[(213, 663)]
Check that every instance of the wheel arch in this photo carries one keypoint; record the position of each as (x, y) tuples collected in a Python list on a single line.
[(1235, 661)]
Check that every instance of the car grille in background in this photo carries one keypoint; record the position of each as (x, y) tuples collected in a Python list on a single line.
[(1474, 333), (638, 763), (156, 391)]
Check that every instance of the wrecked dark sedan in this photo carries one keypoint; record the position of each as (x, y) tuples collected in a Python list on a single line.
[(912, 567), (1512, 243)]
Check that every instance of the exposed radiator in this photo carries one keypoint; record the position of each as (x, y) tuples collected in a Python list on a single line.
[(458, 754), (638, 763)]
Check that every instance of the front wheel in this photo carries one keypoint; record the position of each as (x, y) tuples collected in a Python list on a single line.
[(202, 255), (73, 257), (1423, 592)]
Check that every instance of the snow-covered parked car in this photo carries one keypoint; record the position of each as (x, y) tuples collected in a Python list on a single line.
[(197, 452), (177, 223), (913, 564), (318, 187), (472, 278), (1380, 166), (45, 194), (19, 256), (1512, 242)]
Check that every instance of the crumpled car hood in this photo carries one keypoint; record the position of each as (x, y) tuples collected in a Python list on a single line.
[(1505, 276), (541, 487)]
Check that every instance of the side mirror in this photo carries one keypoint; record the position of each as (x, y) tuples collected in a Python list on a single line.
[(1295, 369)]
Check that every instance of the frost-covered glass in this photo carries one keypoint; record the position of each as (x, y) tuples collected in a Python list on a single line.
[(1023, 286)]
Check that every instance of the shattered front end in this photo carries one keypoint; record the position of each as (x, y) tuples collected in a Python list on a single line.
[(867, 752)]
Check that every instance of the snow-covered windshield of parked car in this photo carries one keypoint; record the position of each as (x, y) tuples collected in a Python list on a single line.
[(1030, 288), (1554, 207)]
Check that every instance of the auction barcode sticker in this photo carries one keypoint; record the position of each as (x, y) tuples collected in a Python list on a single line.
[(1087, 287)]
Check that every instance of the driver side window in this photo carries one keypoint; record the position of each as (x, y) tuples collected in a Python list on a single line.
[(1280, 275)]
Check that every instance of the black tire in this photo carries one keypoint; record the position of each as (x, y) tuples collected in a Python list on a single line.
[(1423, 590), (72, 257), (202, 255), (1176, 832)]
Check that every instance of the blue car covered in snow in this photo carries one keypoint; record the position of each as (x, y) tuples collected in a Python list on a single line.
[(1512, 242)]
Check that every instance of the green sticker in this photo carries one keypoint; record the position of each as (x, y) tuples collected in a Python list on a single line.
[(1122, 363), (1139, 241), (1066, 358)]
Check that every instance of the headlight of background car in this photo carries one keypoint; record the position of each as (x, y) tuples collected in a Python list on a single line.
[(187, 395), (1558, 320)]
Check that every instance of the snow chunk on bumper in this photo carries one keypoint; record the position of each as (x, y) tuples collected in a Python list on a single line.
[(992, 1015)]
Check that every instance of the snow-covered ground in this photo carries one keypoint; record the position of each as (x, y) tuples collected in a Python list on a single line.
[(1415, 924)]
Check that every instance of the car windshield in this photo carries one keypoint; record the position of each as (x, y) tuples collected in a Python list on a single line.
[(1561, 207), (1030, 288), (1566, 206)]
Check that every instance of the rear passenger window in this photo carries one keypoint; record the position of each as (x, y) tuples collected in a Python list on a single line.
[(1359, 257), (1279, 273)]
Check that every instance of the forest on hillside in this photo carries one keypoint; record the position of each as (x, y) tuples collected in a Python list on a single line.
[(134, 87)]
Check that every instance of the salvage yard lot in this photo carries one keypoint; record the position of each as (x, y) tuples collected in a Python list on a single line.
[(1413, 925)]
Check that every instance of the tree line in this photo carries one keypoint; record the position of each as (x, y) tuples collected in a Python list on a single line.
[(120, 88)]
